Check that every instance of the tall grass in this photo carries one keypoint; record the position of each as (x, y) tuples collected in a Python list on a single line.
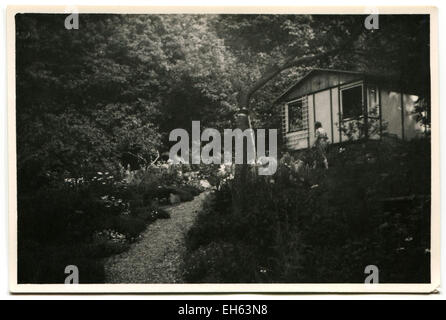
[(372, 207)]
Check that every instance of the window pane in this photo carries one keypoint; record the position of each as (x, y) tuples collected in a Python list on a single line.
[(295, 116), (352, 102)]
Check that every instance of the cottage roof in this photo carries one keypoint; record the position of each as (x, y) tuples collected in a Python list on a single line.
[(319, 79)]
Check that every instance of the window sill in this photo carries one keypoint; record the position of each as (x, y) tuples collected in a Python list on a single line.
[(353, 118), (297, 131)]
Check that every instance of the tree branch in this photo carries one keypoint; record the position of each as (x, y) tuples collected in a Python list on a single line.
[(290, 62)]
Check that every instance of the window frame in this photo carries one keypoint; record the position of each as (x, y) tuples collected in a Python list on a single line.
[(351, 86), (304, 127)]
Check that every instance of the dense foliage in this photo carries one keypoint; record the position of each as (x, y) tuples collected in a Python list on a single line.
[(95, 103), (112, 91), (372, 207), (84, 220)]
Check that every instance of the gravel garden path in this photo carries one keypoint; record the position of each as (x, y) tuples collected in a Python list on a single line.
[(158, 256)]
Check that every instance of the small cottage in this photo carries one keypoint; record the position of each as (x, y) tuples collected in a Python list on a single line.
[(340, 100)]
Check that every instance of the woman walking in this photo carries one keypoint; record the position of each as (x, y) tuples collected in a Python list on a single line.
[(321, 143)]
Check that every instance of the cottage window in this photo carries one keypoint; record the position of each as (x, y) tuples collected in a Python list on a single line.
[(296, 116), (352, 102)]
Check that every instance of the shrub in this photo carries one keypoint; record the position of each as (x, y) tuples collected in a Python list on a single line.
[(151, 213), (325, 228), (46, 264), (128, 225), (57, 224), (220, 262)]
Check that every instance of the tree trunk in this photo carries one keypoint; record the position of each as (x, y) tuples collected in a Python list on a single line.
[(242, 116), (241, 170)]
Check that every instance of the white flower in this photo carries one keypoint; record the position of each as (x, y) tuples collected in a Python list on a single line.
[(222, 169), (268, 164), (263, 161)]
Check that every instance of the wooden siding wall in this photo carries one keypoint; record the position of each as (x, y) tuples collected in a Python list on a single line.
[(394, 113), (320, 81), (412, 128), (391, 112), (335, 114), (322, 111), (311, 120), (322, 106), (398, 116)]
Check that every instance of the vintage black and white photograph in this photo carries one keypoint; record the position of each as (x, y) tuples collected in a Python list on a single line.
[(223, 148)]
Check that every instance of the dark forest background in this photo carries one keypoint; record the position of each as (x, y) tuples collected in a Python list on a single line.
[(121, 83), (104, 98)]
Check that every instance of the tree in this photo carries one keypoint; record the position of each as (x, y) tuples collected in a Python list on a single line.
[(292, 44), (110, 92), (274, 44), (288, 42), (83, 98)]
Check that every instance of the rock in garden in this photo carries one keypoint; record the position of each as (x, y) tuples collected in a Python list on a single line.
[(173, 198)]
